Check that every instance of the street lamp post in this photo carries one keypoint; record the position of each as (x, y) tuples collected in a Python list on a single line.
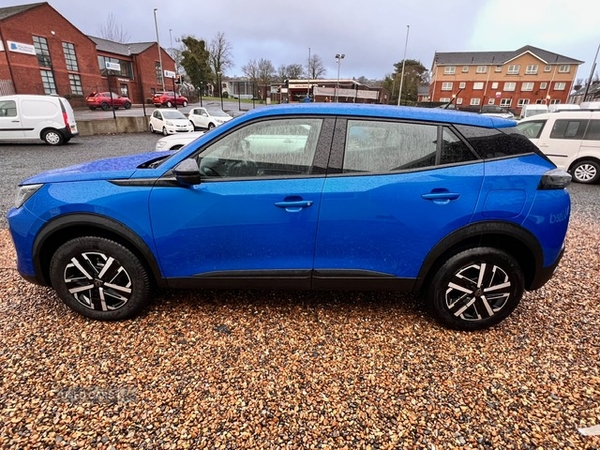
[(403, 64), (162, 74), (338, 57), (220, 88)]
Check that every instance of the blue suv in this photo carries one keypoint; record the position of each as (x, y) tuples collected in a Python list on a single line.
[(459, 206)]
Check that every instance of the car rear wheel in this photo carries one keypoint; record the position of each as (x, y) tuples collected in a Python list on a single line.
[(151, 128), (587, 172), (52, 137), (475, 289), (104, 106), (99, 278), (127, 105), (184, 104)]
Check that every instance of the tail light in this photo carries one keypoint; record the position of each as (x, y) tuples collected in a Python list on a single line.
[(555, 179)]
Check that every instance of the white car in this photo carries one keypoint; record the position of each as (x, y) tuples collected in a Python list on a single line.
[(168, 121), (208, 118), (176, 141)]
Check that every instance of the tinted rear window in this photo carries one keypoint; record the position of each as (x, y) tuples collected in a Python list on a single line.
[(493, 143)]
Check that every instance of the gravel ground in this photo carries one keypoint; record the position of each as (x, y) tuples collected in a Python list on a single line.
[(227, 370)]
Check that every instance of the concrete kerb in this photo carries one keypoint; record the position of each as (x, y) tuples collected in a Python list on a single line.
[(123, 124)]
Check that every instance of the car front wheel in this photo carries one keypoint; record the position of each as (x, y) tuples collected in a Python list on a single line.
[(99, 278), (165, 132), (127, 105), (475, 289), (587, 172), (169, 104)]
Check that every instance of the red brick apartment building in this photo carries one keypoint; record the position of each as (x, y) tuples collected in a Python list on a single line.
[(509, 78), (41, 52)]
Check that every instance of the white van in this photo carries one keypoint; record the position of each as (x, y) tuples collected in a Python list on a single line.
[(571, 139), (32, 117), (532, 110)]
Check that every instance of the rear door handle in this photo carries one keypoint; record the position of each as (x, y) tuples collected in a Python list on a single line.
[(294, 204), (441, 196)]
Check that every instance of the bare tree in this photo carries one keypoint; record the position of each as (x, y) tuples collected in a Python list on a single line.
[(113, 31), (316, 68), (289, 72), (220, 50), (261, 71)]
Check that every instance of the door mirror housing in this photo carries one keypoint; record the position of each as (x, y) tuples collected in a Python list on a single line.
[(187, 172)]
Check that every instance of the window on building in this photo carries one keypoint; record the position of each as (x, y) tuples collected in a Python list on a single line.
[(125, 66), (481, 69), (70, 57), (475, 101), (555, 101), (447, 86), (48, 82), (124, 90), (564, 68), (445, 99), (513, 69), (522, 101), (75, 82), (465, 69), (459, 101), (490, 101), (527, 86), (531, 69), (543, 85), (462, 85), (498, 69), (478, 85), (510, 86), (547, 68), (159, 75), (559, 86), (505, 101), (42, 51), (449, 70), (495, 85)]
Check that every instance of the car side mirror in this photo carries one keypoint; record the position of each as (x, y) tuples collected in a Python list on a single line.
[(187, 172)]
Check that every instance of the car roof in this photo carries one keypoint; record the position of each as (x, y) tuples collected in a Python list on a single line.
[(383, 111)]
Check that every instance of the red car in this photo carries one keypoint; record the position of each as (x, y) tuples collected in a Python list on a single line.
[(168, 99), (103, 100)]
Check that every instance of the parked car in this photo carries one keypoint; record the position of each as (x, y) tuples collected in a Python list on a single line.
[(499, 111), (25, 117), (459, 206), (169, 122), (104, 101), (208, 118), (176, 141), (570, 138), (169, 99)]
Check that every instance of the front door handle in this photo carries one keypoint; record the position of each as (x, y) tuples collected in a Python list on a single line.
[(294, 204), (441, 197)]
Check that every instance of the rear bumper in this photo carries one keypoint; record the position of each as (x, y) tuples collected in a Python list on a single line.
[(543, 275)]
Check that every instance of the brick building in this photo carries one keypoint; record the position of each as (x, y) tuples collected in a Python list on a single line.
[(41, 52), (510, 78)]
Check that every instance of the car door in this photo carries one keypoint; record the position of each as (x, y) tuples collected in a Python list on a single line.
[(253, 218), (402, 187), (11, 126), (199, 117)]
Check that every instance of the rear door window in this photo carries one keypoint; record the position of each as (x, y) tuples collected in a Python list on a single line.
[(593, 131), (568, 129)]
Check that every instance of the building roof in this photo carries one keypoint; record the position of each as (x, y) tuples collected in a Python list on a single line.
[(118, 48), (10, 11), (499, 58)]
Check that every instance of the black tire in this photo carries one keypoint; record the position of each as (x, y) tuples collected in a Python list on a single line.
[(127, 105), (169, 104), (176, 147), (93, 108), (184, 104), (211, 126), (151, 129), (164, 132), (104, 106), (99, 278), (456, 295), (586, 171), (52, 137)]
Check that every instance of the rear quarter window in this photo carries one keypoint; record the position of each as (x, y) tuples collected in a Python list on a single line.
[(568, 129), (495, 143)]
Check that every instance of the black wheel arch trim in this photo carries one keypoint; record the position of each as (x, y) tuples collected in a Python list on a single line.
[(106, 227), (507, 236)]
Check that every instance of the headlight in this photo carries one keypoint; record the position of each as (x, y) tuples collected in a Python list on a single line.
[(169, 123), (161, 143), (25, 192)]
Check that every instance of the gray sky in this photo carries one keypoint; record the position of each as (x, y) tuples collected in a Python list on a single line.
[(372, 34)]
